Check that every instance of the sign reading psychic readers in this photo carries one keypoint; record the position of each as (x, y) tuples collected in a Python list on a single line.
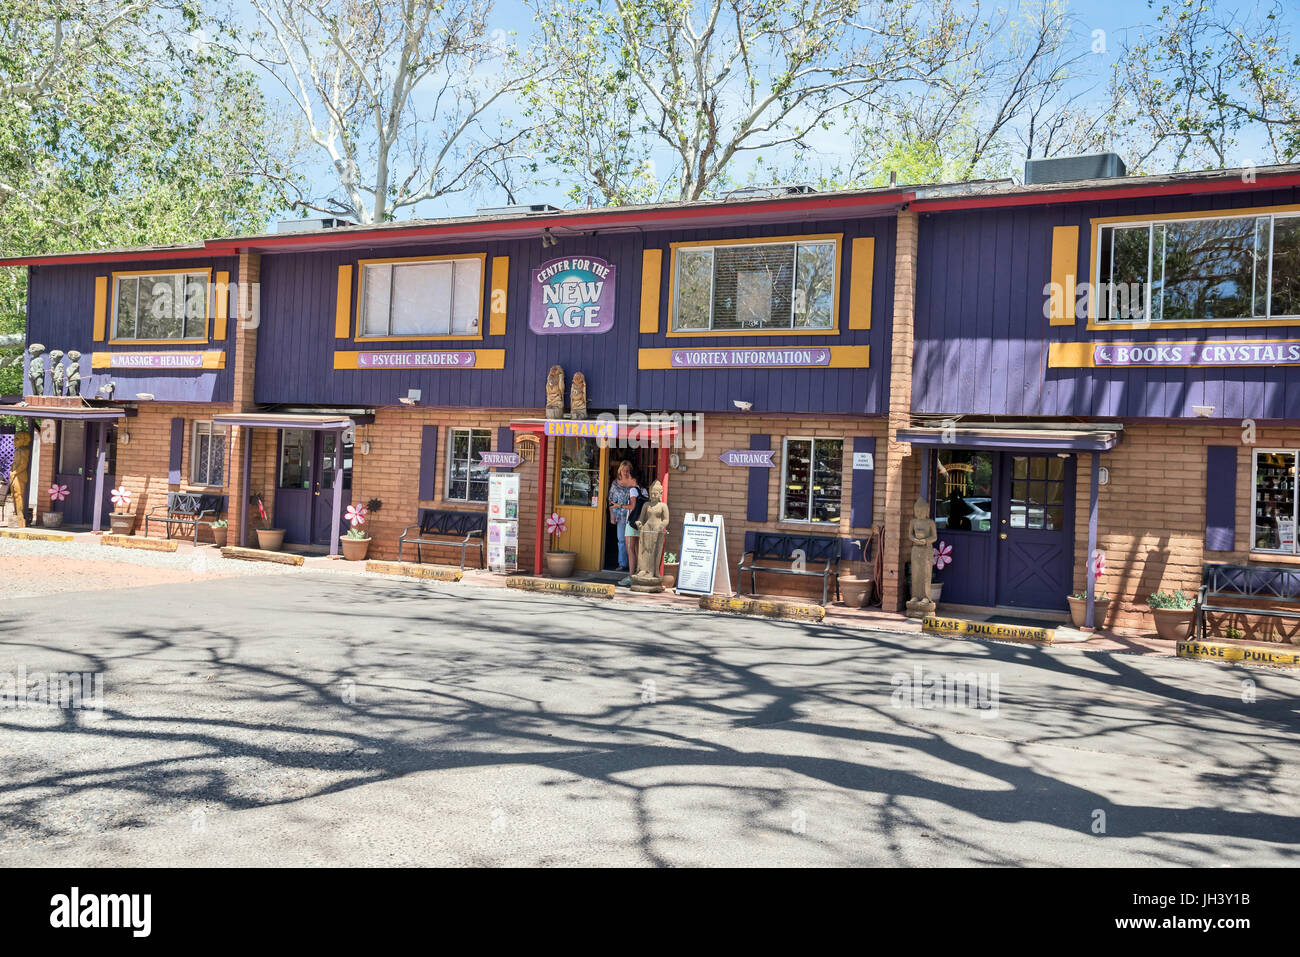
[(572, 296), (748, 358), (751, 458), (416, 360), (1238, 352)]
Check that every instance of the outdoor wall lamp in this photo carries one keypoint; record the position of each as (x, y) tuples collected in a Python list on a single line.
[(144, 396), (742, 405), (1203, 411), (124, 438)]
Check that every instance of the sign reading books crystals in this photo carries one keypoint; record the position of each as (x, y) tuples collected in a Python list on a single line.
[(572, 296)]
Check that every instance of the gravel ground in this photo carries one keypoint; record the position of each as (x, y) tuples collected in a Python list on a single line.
[(30, 569)]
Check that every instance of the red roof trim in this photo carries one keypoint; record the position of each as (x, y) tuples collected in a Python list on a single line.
[(1234, 184), (74, 258), (541, 221)]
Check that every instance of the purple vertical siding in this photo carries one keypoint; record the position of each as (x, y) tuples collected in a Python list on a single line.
[(505, 443), (176, 451), (296, 342), (864, 485), (982, 339), (1220, 498), (756, 502), (428, 462)]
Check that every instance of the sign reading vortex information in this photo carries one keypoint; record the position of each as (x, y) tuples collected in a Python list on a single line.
[(572, 296), (416, 360), (748, 458), (787, 357), (1240, 352)]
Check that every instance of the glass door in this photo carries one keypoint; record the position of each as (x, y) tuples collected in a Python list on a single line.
[(1035, 533), (293, 494), (330, 456)]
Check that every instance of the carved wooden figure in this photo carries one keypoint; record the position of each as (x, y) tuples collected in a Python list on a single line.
[(555, 393), (578, 397)]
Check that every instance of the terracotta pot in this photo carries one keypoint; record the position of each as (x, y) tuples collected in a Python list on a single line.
[(1173, 624), (270, 539), (560, 564), (51, 519), (1079, 611), (355, 549), (122, 523), (936, 589), (219, 536), (856, 591), (670, 574)]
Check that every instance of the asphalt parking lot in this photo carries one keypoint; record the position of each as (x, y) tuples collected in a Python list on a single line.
[(348, 720)]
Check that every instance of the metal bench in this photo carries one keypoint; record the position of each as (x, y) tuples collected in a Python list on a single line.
[(774, 552), (1262, 583), (187, 508), (448, 528)]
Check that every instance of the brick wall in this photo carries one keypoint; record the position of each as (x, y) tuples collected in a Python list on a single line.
[(898, 457)]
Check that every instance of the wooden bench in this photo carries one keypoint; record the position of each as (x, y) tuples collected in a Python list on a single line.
[(446, 528), (187, 508), (774, 552), (1260, 583)]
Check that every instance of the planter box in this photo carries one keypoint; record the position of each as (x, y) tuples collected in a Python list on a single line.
[(354, 549), (1079, 611), (51, 519), (270, 539), (122, 523), (560, 564), (1173, 624), (856, 591), (220, 536)]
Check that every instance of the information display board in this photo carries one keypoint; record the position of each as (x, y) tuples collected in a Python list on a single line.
[(503, 522), (702, 561)]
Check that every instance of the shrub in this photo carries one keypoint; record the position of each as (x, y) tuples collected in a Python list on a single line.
[(1172, 600)]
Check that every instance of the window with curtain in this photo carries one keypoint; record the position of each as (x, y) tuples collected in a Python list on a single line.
[(164, 306), (441, 297), (774, 285), (208, 454)]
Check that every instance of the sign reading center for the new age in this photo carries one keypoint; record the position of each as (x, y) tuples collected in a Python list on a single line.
[(572, 296)]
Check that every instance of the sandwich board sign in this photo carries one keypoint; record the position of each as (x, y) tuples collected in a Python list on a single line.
[(702, 568), (503, 522)]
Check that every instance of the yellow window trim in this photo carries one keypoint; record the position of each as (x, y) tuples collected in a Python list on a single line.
[(499, 295), (101, 307), (113, 340), (861, 280), (361, 273), (834, 330), (1094, 264)]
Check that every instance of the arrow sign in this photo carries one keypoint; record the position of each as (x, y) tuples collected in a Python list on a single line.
[(507, 460), (748, 458)]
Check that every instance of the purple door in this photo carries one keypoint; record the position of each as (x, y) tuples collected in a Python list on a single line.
[(74, 467), (296, 479), (965, 486), (1035, 521), (327, 463)]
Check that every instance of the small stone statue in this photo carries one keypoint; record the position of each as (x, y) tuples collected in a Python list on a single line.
[(555, 393), (36, 370), (922, 533), (74, 374), (56, 371), (22, 465), (653, 527), (578, 397)]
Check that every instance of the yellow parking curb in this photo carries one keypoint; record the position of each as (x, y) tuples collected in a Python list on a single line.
[(560, 586), (764, 608), (960, 628), (436, 572), (1219, 651), (148, 544)]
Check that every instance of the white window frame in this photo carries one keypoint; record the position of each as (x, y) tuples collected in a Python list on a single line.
[(451, 462), (1273, 215), (1254, 500), (812, 465), (834, 240), (202, 275), (206, 426), (364, 268)]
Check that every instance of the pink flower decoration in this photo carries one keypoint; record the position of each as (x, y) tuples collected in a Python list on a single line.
[(1098, 564), (556, 524), (942, 555), (121, 496), (58, 492), (356, 514)]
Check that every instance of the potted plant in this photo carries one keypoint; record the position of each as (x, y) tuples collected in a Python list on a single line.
[(669, 577), (53, 519), (1079, 608), (857, 586), (122, 520), (268, 539), (356, 543), (1173, 612), (220, 531), (942, 558), (559, 563)]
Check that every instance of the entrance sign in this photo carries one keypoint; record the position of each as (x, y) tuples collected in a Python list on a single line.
[(582, 428), (703, 568), (506, 460), (503, 522), (572, 296), (749, 458), (786, 357)]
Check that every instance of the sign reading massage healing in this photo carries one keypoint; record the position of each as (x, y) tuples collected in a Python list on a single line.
[(1240, 352), (213, 359), (572, 296), (796, 357)]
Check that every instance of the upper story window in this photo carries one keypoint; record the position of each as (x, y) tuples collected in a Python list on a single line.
[(1211, 269), (770, 285), (161, 306), (424, 298)]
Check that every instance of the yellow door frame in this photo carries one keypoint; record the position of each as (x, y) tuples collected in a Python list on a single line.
[(585, 531)]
